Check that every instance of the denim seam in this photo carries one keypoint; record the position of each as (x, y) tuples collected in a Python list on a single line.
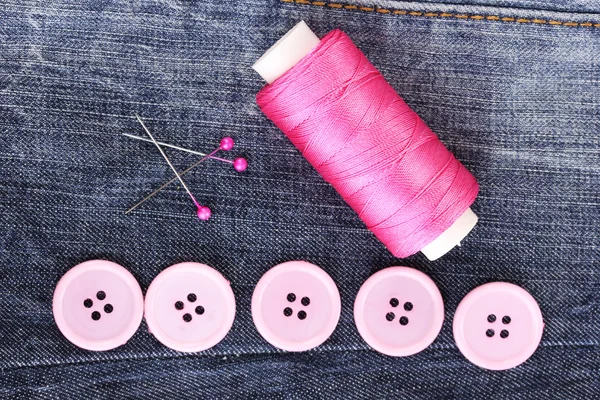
[(477, 17), (251, 354)]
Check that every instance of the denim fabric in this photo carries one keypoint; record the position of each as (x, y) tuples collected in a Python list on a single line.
[(518, 104), (573, 6)]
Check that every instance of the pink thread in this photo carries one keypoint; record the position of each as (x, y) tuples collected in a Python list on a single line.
[(363, 139)]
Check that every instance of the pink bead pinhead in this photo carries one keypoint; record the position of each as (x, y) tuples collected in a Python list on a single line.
[(240, 164), (226, 143), (204, 212)]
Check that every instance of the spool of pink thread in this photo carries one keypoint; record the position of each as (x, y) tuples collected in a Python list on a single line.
[(363, 138)]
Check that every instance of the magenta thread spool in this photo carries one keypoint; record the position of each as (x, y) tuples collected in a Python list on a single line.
[(363, 139)]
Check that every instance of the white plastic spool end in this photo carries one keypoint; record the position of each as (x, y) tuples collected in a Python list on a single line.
[(286, 53), (451, 236)]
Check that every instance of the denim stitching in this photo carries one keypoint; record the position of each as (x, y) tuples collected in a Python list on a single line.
[(477, 17)]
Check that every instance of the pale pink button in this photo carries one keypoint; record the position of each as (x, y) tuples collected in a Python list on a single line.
[(498, 326), (189, 307), (296, 306), (98, 305), (399, 311)]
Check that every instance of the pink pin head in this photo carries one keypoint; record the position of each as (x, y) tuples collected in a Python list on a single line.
[(204, 213), (226, 143), (240, 164)]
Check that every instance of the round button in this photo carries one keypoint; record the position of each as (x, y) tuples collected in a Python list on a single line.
[(498, 326), (296, 306), (399, 311), (190, 307), (98, 305)]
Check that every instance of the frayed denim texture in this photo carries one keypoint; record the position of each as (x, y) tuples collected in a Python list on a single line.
[(518, 104)]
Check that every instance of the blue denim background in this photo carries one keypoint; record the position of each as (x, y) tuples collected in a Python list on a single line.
[(518, 104), (574, 6)]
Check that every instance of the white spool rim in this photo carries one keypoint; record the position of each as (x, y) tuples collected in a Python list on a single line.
[(286, 53)]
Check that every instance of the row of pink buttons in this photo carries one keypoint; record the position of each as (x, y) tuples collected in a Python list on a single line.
[(98, 305)]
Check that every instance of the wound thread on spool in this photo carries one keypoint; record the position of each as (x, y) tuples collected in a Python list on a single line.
[(363, 139)]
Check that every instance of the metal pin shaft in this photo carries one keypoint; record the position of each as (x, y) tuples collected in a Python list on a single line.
[(169, 182), (168, 161), (177, 148)]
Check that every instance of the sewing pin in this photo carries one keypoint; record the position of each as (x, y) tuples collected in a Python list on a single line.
[(203, 211), (177, 147)]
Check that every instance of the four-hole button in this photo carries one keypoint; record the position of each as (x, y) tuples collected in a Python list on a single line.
[(399, 311), (296, 306), (498, 326), (98, 305), (190, 307)]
